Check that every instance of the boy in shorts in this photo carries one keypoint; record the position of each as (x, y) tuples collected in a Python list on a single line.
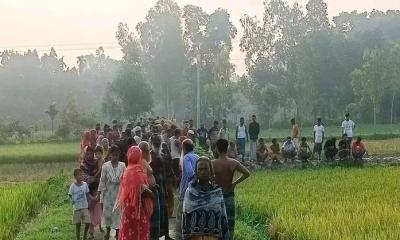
[(78, 194)]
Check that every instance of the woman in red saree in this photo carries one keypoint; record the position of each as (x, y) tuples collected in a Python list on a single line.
[(134, 199)]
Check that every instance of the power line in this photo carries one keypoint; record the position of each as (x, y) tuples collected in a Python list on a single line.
[(65, 49), (60, 45)]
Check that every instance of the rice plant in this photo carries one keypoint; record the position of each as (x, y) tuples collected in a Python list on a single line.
[(326, 203)]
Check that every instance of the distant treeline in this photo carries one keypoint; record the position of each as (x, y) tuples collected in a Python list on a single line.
[(299, 63)]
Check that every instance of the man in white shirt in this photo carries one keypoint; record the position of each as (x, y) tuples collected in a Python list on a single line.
[(347, 128), (319, 135), (224, 131)]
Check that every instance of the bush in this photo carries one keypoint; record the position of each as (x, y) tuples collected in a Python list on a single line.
[(63, 131)]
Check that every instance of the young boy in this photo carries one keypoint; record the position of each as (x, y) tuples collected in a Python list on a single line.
[(262, 150), (305, 150), (78, 192)]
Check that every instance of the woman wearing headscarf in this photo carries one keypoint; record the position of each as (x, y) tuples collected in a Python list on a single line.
[(111, 174), (204, 212), (90, 165), (106, 146), (135, 199), (85, 142)]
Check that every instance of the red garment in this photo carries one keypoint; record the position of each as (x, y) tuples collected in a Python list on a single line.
[(94, 210), (89, 165), (137, 211), (357, 147), (85, 142)]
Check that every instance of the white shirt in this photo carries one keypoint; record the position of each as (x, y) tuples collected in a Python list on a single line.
[(224, 133), (78, 195), (241, 131), (319, 131), (348, 127), (174, 149)]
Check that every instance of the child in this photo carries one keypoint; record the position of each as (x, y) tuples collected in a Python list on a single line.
[(262, 150), (98, 157), (232, 153), (305, 150), (78, 192), (276, 151), (94, 209)]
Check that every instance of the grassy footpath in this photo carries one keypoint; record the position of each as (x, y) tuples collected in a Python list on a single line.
[(34, 153)]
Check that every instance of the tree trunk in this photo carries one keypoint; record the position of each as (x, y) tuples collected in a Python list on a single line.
[(375, 119), (52, 126), (391, 109)]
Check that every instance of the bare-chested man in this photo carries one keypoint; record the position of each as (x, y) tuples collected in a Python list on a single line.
[(225, 168)]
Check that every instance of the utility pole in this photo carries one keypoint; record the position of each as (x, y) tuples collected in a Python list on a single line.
[(198, 60)]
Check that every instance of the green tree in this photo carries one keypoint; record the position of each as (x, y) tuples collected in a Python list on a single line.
[(317, 16), (52, 112), (130, 91), (369, 81), (394, 64), (163, 52)]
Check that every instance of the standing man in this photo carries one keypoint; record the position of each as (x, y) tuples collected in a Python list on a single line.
[(347, 128), (295, 133), (191, 127), (224, 169), (224, 131), (254, 131), (241, 136), (202, 136), (176, 152), (188, 171), (213, 135), (319, 135)]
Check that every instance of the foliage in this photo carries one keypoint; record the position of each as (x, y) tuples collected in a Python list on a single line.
[(40, 80), (311, 61), (163, 52), (129, 94), (20, 202), (325, 203)]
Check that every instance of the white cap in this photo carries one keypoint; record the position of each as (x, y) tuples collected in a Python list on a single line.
[(191, 132)]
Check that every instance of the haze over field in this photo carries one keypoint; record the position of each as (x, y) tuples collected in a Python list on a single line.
[(78, 27)]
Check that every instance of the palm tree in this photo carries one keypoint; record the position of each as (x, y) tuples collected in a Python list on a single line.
[(52, 112)]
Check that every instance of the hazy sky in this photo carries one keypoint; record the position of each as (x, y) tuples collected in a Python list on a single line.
[(77, 27)]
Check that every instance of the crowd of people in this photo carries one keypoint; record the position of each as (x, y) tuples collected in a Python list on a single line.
[(128, 181)]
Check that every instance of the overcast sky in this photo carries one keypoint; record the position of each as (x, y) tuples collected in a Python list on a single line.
[(76, 27)]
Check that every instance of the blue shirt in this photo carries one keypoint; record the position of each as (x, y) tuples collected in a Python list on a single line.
[(188, 171)]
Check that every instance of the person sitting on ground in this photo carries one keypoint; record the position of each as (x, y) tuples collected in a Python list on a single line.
[(275, 151), (288, 149), (344, 151), (204, 205), (358, 149), (330, 149), (262, 150), (232, 151), (305, 150)]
